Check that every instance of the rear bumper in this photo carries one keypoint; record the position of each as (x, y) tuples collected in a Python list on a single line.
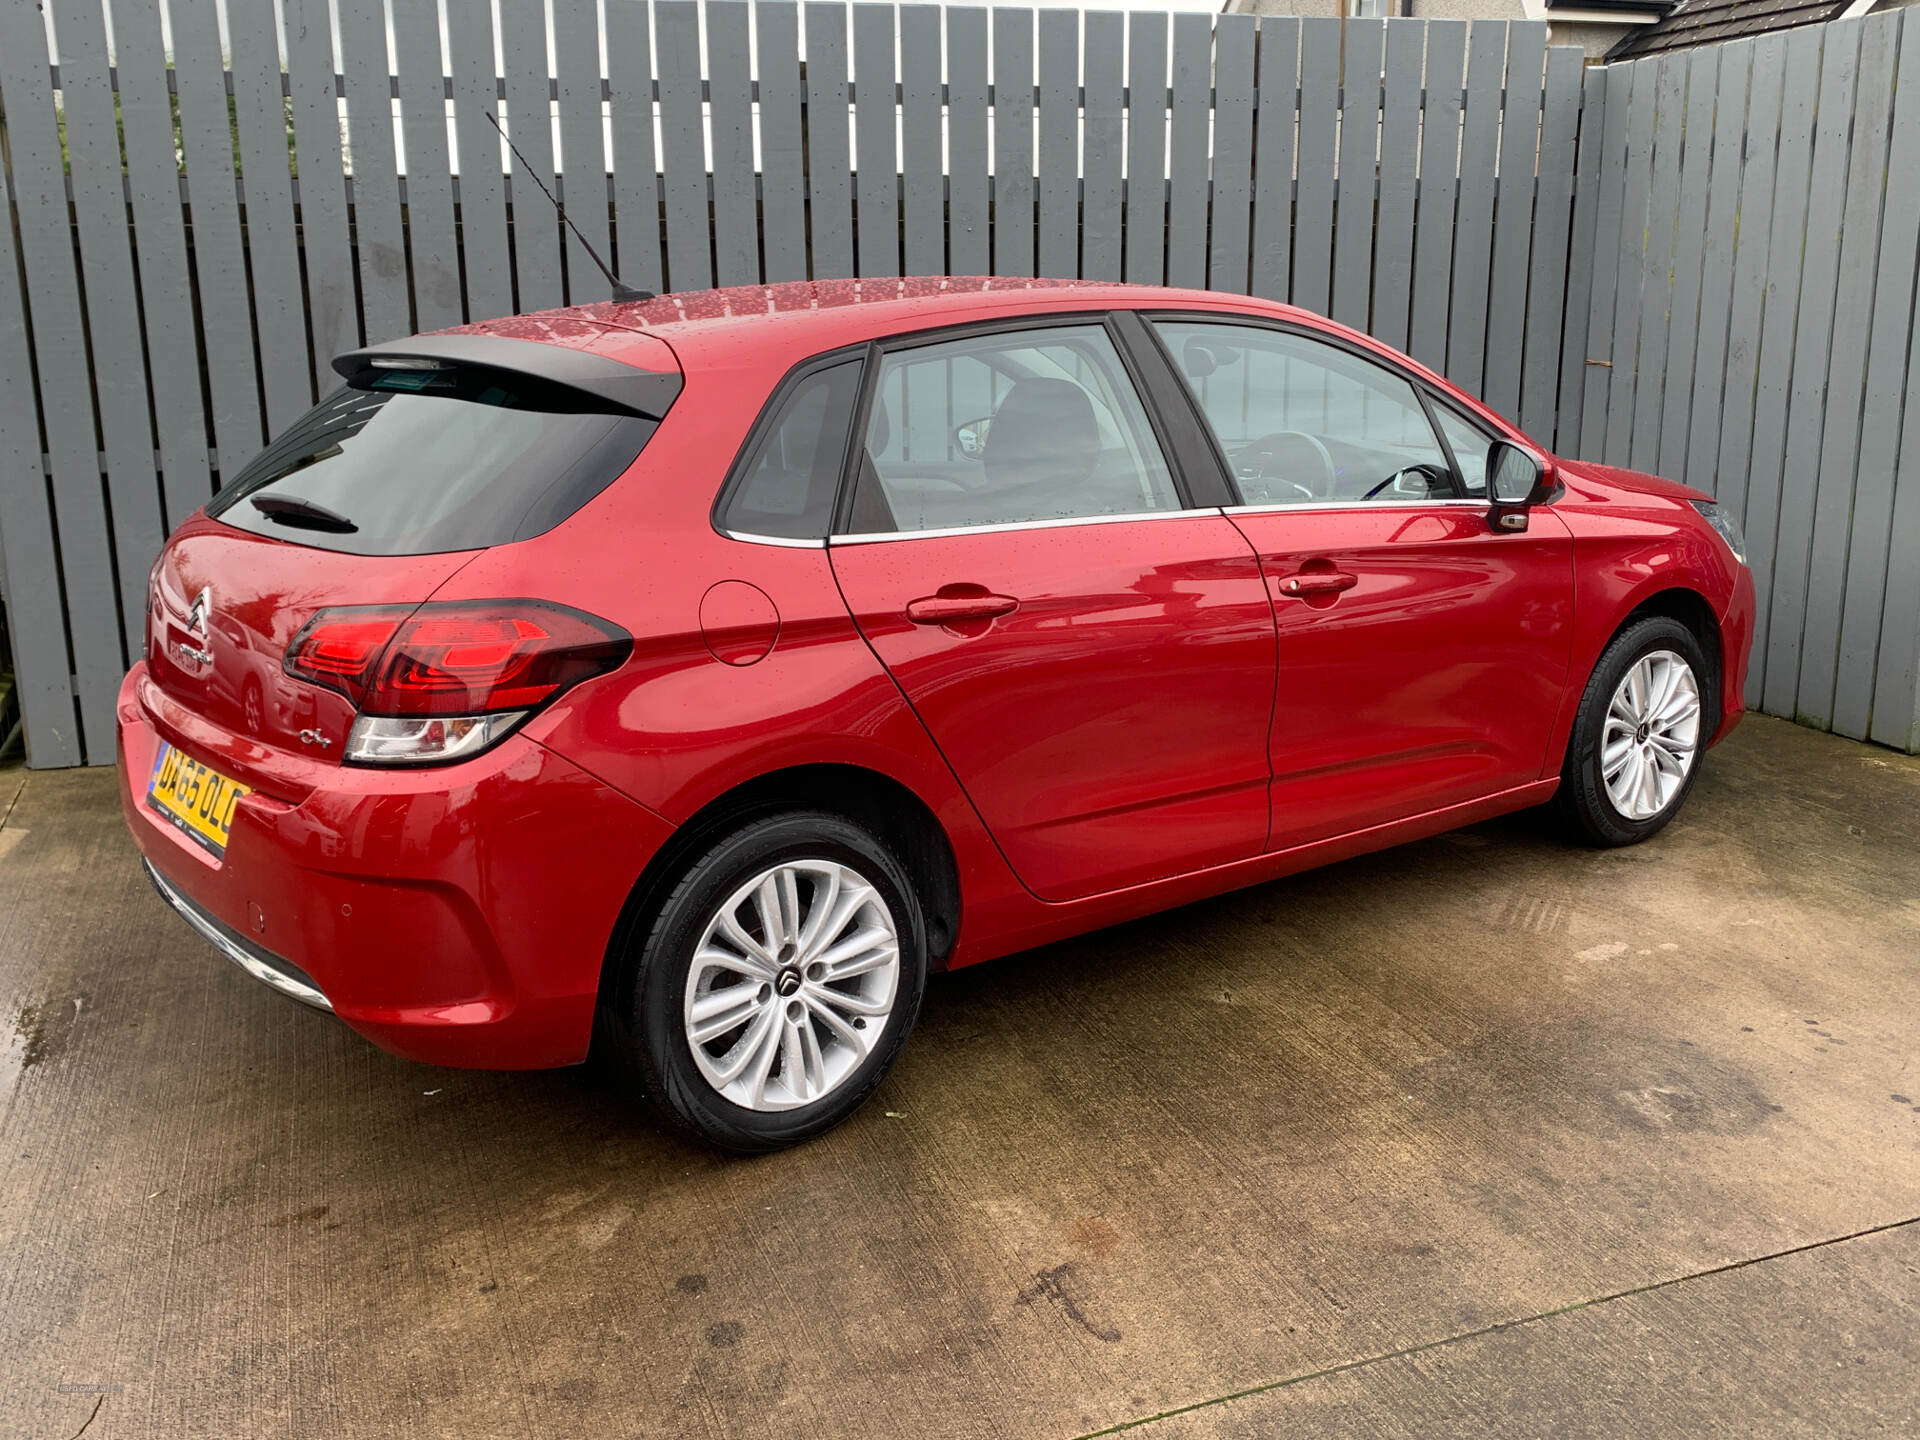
[(458, 916)]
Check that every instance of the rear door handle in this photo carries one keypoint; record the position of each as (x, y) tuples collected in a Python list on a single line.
[(1318, 582), (945, 609)]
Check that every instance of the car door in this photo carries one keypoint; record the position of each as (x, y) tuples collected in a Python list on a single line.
[(1092, 651), (1422, 653)]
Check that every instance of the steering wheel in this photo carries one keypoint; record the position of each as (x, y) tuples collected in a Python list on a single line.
[(1263, 457), (1431, 472)]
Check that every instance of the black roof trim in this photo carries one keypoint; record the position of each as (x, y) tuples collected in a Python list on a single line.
[(619, 386)]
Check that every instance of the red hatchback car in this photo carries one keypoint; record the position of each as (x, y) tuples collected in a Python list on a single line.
[(700, 673)]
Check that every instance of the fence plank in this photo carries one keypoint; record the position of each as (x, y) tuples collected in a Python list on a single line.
[(1869, 582), (326, 244), (1609, 208), (483, 191), (66, 396), (1473, 221), (1013, 211), (1832, 504), (159, 233), (736, 210), (36, 607), (367, 72), (1271, 265), (783, 184), (1314, 190), (273, 251), (529, 121), (1399, 182), (1513, 218), (829, 156), (1762, 129), (1552, 219), (112, 309), (1629, 257), (433, 242), (1232, 153), (1717, 266), (1187, 151), (877, 206), (922, 165), (636, 176), (1146, 232), (1689, 259), (1580, 278), (219, 262), (1363, 67), (1100, 238), (583, 158), (1058, 170), (1824, 382), (1657, 262), (1774, 389), (1359, 147), (1896, 685), (1439, 191), (683, 149)]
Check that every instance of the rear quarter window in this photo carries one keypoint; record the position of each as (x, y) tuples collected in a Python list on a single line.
[(423, 462)]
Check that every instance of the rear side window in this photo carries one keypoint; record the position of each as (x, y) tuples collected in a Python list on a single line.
[(791, 473), (427, 462)]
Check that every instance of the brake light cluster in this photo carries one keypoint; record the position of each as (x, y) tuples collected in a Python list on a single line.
[(440, 682)]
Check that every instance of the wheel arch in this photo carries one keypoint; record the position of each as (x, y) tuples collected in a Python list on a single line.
[(1688, 607), (866, 796)]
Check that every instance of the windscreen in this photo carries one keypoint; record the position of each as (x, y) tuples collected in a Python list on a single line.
[(425, 461)]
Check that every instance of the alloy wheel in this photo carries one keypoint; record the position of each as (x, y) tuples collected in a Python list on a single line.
[(791, 984), (1652, 735)]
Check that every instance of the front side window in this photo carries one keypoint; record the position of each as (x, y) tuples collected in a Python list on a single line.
[(792, 471), (1303, 422), (1469, 444), (1007, 428)]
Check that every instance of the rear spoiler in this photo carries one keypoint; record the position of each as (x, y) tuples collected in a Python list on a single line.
[(612, 384)]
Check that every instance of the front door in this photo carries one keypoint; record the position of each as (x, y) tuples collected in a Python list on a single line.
[(1422, 654), (1094, 658)]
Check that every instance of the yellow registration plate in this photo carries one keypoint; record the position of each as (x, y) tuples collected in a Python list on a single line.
[(195, 797)]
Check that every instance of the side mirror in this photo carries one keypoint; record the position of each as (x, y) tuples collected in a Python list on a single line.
[(1516, 479), (971, 436)]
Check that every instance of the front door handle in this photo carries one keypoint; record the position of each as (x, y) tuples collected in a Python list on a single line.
[(945, 609), (1318, 582)]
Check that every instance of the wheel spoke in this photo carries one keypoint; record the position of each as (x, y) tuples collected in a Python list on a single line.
[(770, 905), (846, 904), (826, 893), (718, 1011), (1614, 759), (835, 1022), (755, 1048), (849, 1002), (728, 925)]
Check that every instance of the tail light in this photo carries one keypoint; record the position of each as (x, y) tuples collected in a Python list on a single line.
[(440, 682)]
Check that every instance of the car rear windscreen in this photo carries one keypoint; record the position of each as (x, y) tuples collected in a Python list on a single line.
[(425, 461)]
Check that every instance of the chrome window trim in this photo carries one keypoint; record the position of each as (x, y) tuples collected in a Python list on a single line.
[(215, 934), (1362, 506), (787, 542), (876, 536)]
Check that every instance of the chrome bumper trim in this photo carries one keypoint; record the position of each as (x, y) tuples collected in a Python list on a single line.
[(268, 969)]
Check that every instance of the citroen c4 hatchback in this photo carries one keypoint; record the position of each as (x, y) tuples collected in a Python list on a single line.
[(691, 677)]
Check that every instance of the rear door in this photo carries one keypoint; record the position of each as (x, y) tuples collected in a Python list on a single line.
[(1092, 651), (1422, 654)]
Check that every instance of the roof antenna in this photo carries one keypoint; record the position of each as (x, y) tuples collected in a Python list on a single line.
[(622, 292)]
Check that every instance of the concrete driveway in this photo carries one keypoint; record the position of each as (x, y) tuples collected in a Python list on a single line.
[(1483, 1136)]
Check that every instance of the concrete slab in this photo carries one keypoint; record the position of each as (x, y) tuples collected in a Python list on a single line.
[(1466, 1082)]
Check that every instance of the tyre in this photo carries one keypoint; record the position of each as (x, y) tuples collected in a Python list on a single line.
[(776, 985), (1639, 736)]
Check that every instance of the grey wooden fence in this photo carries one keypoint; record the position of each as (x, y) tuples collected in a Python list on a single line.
[(237, 211), (1757, 229)]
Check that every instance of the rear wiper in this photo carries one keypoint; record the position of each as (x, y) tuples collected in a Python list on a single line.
[(299, 514)]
